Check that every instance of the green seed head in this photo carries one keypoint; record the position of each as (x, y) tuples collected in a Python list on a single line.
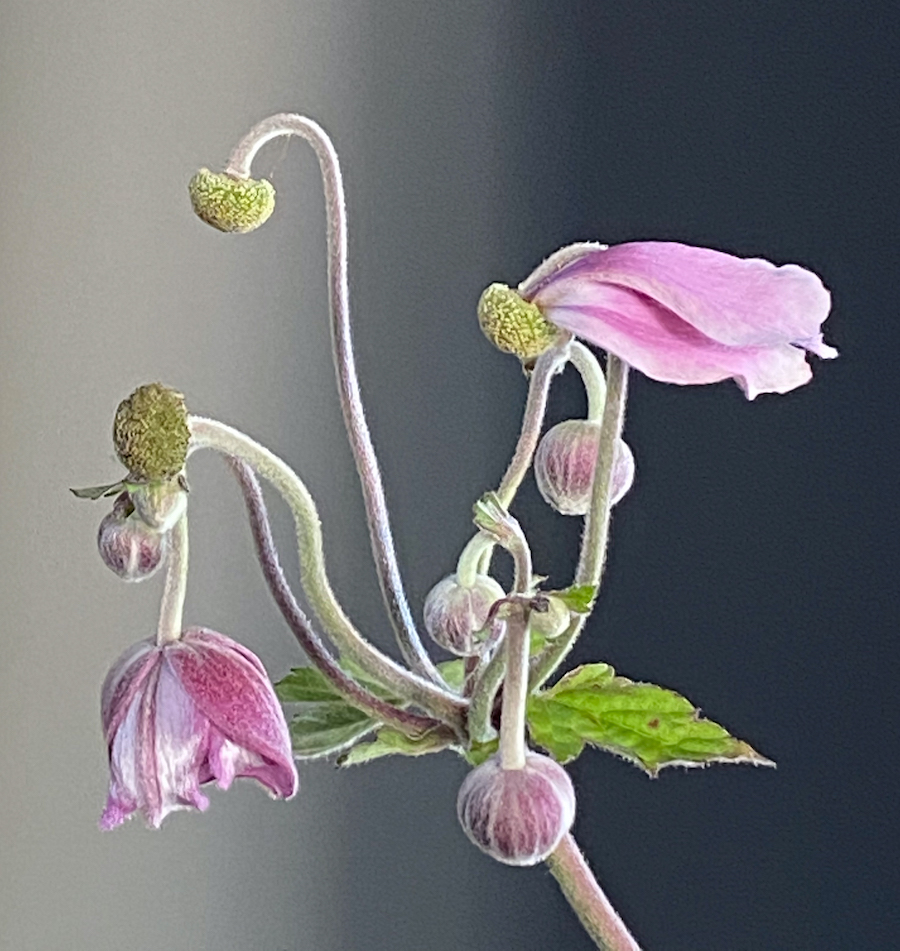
[(231, 204), (151, 433), (514, 325)]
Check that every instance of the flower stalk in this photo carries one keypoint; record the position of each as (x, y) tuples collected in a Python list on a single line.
[(171, 611)]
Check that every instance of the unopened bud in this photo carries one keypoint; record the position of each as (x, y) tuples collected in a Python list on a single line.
[(236, 205), (127, 545), (552, 620), (517, 816), (455, 613), (160, 504), (151, 433), (565, 462), (514, 325)]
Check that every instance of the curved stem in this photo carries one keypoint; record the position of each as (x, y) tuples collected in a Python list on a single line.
[(171, 610), (584, 894), (596, 530), (409, 723), (592, 377), (209, 434), (348, 384), (487, 682)]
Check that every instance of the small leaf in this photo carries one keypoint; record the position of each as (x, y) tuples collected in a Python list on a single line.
[(453, 672), (389, 742), (579, 598), (325, 728), (477, 753), (99, 491), (646, 724), (305, 685)]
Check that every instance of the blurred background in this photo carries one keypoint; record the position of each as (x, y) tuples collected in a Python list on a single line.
[(753, 567)]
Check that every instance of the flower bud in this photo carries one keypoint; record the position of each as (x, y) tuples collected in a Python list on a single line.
[(455, 613), (128, 546), (553, 620), (517, 816), (236, 205), (513, 325), (159, 504), (151, 433), (564, 466)]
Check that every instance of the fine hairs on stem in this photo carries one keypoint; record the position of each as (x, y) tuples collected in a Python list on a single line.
[(171, 611), (389, 579)]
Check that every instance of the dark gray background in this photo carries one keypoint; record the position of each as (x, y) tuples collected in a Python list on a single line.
[(753, 567)]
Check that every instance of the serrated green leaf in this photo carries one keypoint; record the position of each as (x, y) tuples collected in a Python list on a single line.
[(579, 598), (325, 728), (305, 685), (649, 725), (95, 492), (389, 742)]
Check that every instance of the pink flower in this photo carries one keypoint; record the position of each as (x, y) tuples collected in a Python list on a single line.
[(686, 315), (182, 714)]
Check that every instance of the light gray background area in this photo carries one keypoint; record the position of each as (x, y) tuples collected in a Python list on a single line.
[(753, 567)]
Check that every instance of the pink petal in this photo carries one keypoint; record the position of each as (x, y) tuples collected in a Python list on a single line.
[(657, 342), (123, 681), (735, 301)]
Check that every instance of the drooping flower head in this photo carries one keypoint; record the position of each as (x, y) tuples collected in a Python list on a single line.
[(687, 315), (186, 713)]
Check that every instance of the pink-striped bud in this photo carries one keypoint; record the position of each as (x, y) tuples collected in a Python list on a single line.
[(564, 466), (455, 613), (127, 545), (517, 816)]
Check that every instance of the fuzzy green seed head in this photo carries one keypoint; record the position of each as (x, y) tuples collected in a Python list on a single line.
[(151, 433), (231, 204), (514, 325)]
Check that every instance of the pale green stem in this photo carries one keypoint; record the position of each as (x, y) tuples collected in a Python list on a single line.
[(171, 611), (584, 894), (515, 690), (592, 377), (596, 530), (209, 434), (239, 165)]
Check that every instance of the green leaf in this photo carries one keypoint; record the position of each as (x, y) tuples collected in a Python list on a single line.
[(453, 672), (305, 685), (98, 491), (477, 753), (579, 598), (646, 724), (325, 728), (390, 742)]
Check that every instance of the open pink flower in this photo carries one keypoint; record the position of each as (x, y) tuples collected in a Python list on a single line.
[(182, 714), (687, 315)]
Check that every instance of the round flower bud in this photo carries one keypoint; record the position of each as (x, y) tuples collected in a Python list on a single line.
[(551, 622), (128, 546), (564, 466), (513, 325), (455, 613), (159, 504), (236, 205), (517, 816), (151, 433)]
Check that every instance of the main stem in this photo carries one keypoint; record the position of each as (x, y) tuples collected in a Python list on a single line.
[(171, 610), (348, 384), (515, 690), (584, 894)]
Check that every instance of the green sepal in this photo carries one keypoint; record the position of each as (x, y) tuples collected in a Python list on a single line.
[(99, 491), (579, 598), (322, 729), (648, 725), (390, 742)]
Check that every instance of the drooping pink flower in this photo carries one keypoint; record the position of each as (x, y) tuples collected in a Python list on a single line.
[(182, 714), (688, 315)]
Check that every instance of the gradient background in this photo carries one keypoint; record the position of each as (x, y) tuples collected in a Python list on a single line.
[(753, 567)]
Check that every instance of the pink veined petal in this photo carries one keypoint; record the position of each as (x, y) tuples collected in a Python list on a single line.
[(741, 302), (227, 761), (659, 344), (235, 694), (123, 681)]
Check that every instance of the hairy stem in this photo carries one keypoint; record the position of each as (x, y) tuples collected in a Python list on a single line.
[(584, 894), (596, 530), (592, 377), (515, 690), (171, 609), (409, 723), (446, 706), (348, 384)]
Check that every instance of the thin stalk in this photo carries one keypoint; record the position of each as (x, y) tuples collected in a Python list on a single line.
[(345, 365), (409, 723), (487, 682), (592, 377), (596, 530), (171, 611), (584, 894), (515, 690), (446, 706)]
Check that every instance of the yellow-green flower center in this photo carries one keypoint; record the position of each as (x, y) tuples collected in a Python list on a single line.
[(151, 433), (231, 204), (514, 325)]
